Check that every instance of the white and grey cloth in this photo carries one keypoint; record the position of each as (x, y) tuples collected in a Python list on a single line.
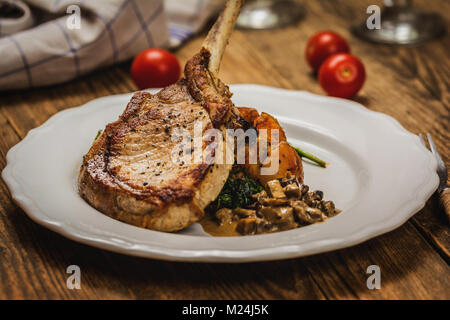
[(110, 31), (186, 17)]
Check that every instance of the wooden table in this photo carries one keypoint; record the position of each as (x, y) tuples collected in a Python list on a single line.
[(410, 84)]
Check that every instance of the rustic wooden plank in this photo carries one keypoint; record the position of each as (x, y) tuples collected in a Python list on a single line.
[(33, 259), (409, 269), (25, 112)]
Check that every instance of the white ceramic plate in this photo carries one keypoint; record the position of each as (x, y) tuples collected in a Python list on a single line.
[(380, 175)]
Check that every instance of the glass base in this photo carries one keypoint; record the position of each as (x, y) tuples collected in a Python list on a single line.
[(265, 14), (403, 26)]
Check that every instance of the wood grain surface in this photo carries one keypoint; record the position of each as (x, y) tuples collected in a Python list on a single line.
[(410, 84)]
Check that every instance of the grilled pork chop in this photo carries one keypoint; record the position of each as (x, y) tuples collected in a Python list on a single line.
[(129, 173)]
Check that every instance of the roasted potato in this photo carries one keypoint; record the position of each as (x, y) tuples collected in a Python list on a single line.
[(249, 114), (289, 160), (289, 163), (266, 121)]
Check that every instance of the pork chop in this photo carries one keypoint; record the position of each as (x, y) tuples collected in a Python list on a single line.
[(130, 174)]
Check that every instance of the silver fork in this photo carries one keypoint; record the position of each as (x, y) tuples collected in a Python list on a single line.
[(444, 188)]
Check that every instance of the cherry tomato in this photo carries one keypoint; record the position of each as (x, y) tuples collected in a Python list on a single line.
[(342, 75), (155, 68), (322, 45)]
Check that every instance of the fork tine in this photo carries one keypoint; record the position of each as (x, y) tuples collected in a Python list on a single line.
[(422, 140), (434, 150)]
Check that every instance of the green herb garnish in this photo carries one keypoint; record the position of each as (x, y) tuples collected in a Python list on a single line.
[(304, 154), (99, 132)]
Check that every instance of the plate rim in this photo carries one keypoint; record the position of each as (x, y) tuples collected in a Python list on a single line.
[(415, 204)]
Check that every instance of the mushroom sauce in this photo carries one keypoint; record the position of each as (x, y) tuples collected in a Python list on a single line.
[(283, 205)]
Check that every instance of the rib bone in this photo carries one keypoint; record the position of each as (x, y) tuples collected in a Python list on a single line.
[(218, 36)]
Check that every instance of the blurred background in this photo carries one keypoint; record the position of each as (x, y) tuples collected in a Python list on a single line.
[(43, 42)]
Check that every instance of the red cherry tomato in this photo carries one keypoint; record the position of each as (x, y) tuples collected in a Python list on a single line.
[(155, 68), (322, 45), (342, 75)]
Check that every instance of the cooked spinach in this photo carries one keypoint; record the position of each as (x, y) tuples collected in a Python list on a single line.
[(237, 192)]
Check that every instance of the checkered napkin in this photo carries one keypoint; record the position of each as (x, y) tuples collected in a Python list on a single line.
[(110, 31), (186, 17)]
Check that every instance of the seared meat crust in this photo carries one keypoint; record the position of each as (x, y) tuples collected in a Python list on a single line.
[(204, 87), (130, 173)]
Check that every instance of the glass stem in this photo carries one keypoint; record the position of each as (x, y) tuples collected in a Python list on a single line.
[(398, 3)]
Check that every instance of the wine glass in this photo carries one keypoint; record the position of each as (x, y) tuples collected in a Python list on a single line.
[(269, 14), (402, 24)]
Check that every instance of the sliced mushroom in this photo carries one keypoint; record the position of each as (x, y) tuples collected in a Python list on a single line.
[(289, 180), (276, 190), (311, 199), (304, 189), (274, 202), (244, 212), (250, 225), (292, 191), (264, 227), (316, 215), (307, 215), (319, 194), (268, 213), (260, 196), (286, 218), (300, 211), (225, 216), (287, 225), (329, 209), (276, 214), (298, 203)]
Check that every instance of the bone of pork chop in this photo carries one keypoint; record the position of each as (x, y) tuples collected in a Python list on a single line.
[(129, 175)]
